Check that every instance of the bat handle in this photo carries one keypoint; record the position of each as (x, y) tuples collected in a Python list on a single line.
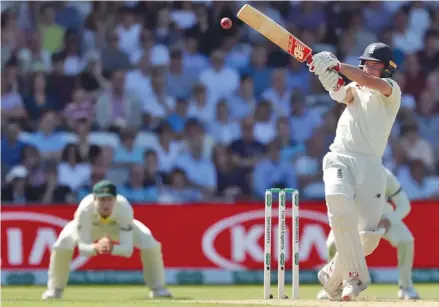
[(336, 68), (340, 83)]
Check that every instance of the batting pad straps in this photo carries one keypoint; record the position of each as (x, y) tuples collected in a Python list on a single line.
[(339, 95)]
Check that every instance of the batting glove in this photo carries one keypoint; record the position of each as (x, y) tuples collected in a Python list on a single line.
[(330, 80), (323, 61)]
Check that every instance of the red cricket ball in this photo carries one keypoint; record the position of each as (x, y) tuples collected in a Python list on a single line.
[(226, 23)]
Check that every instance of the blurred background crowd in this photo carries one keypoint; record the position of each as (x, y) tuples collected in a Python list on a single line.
[(158, 98)]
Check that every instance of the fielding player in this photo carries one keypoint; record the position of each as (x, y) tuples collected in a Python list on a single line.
[(397, 234), (353, 173), (105, 216)]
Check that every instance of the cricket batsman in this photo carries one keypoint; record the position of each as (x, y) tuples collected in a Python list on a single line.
[(103, 217), (396, 233), (353, 173)]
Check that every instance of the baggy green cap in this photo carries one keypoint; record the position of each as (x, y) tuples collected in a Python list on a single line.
[(104, 188)]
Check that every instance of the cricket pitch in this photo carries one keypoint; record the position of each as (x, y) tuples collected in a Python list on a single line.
[(206, 295)]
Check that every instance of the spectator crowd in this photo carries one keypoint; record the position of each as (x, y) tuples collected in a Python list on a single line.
[(158, 98)]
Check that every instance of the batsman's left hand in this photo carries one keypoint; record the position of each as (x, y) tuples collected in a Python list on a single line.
[(329, 80), (322, 62)]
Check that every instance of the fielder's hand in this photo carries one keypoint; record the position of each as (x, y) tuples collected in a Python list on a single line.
[(330, 80), (322, 62), (104, 245)]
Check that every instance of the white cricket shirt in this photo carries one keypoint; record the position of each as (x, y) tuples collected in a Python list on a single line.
[(364, 126)]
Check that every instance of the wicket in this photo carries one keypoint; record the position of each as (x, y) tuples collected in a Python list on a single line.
[(281, 244)]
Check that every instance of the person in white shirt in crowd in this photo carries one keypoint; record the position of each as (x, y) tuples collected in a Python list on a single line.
[(165, 29), (220, 80), (243, 103), (73, 57), (129, 31), (237, 54), (397, 234), (34, 56), (184, 16), (416, 181), (264, 122), (128, 152), (47, 140), (404, 38), (105, 217), (193, 60), (196, 164), (202, 106), (138, 80), (72, 171), (223, 128), (278, 94), (167, 148), (158, 104), (157, 54), (179, 82), (12, 106)]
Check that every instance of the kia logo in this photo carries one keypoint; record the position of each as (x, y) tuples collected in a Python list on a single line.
[(43, 219), (313, 235)]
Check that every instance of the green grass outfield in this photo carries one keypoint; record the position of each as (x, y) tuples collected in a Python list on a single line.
[(221, 296)]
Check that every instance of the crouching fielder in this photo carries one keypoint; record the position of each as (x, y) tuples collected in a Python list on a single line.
[(397, 234), (105, 216)]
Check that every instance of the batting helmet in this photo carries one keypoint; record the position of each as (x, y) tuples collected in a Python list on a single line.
[(382, 53)]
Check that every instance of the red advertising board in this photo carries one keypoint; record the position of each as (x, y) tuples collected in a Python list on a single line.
[(203, 236)]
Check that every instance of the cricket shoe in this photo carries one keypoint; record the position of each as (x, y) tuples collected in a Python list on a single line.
[(322, 295), (334, 295), (160, 293), (408, 293), (52, 294), (352, 289)]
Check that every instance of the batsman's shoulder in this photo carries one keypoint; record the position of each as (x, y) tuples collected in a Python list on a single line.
[(395, 86), (396, 94), (392, 83)]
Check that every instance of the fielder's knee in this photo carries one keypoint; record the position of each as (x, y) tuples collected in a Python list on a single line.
[(64, 243), (399, 234), (143, 238), (67, 237)]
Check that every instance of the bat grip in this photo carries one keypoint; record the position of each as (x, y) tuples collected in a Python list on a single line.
[(340, 82)]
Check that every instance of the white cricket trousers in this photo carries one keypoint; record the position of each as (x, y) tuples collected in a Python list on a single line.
[(361, 179), (150, 253), (354, 193)]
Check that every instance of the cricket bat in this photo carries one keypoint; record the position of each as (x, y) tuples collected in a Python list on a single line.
[(277, 34)]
